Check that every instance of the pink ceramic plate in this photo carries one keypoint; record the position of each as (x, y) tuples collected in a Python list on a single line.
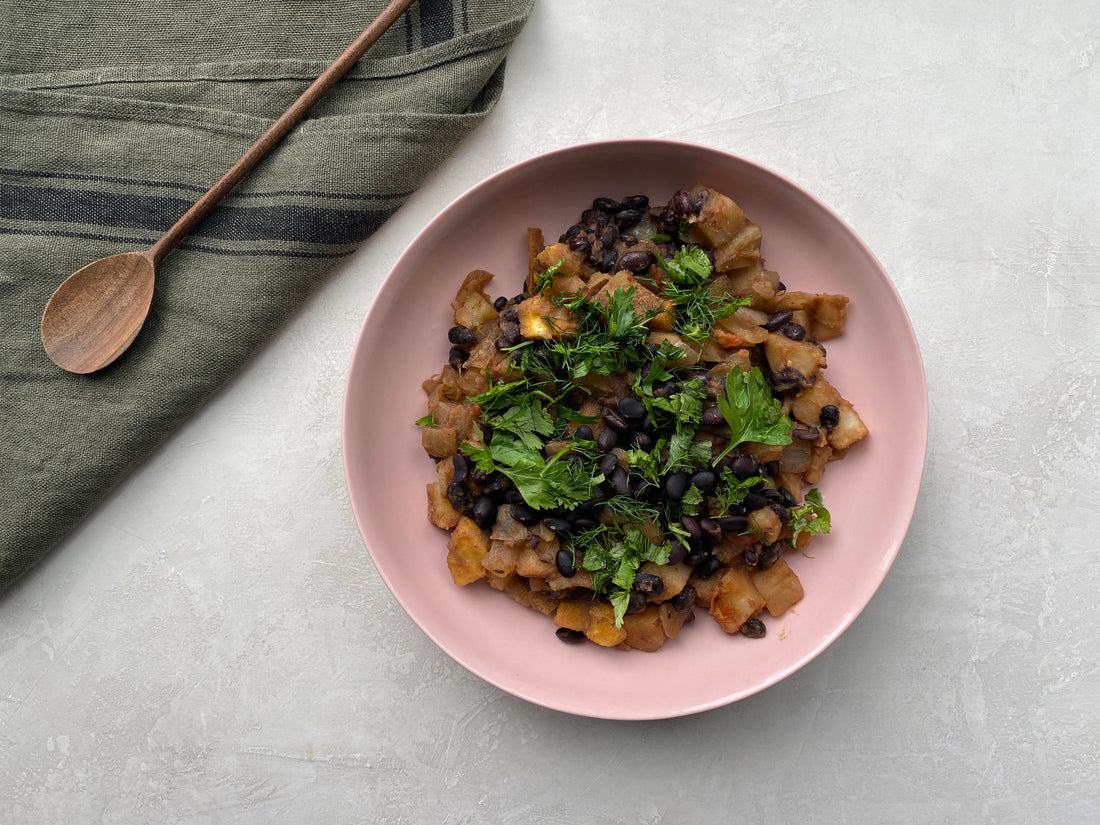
[(871, 494)]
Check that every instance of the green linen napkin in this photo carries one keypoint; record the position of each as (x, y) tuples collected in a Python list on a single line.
[(114, 118)]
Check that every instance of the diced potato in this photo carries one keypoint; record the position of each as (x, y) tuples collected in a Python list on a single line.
[(795, 457), (804, 357), (644, 630), (742, 249), (765, 524), (440, 511), (501, 559), (471, 306), (735, 599), (573, 614), (827, 312), (747, 324), (601, 625), (779, 585), (673, 577), (518, 590), (572, 262), (539, 317), (808, 403), (720, 219), (850, 429), (466, 549), (529, 564), (506, 529), (582, 579), (643, 299), (439, 442), (672, 620)]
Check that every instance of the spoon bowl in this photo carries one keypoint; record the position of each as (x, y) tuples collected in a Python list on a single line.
[(98, 311)]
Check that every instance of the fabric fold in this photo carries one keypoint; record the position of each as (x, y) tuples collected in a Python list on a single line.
[(105, 153)]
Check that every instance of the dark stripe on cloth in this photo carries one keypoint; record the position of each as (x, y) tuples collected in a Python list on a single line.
[(437, 21), (184, 187), (296, 223)]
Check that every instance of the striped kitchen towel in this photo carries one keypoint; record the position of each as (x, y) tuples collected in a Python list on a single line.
[(115, 119)]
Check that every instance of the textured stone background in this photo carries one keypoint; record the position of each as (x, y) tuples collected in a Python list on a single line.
[(213, 645)]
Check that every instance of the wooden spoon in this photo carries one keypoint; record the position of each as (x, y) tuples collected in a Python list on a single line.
[(98, 311)]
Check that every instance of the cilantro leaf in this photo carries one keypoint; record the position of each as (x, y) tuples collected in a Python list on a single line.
[(811, 518), (425, 421), (543, 484), (752, 412)]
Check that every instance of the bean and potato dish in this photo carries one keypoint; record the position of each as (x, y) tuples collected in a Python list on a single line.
[(638, 433)]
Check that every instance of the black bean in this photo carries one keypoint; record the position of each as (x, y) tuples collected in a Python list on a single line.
[(786, 378), (462, 336), (485, 511), (754, 628), (676, 485), (584, 523), (677, 553), (782, 512), (569, 635), (744, 466), (708, 567), (770, 468), (480, 477), (636, 603), (607, 440), (754, 501), (786, 497), (665, 388), (804, 433), (510, 330), (682, 204), (733, 524), (609, 205), (628, 218), (705, 481), (457, 357), (560, 526), (571, 232), (608, 260), (640, 202), (637, 260), (510, 314), (519, 299), (767, 555), (691, 525), (643, 441), (500, 303), (565, 563), (584, 433), (620, 481), (525, 515), (595, 218), (696, 555), (614, 420), (712, 417), (607, 463), (778, 319), (631, 408), (458, 496), (580, 243), (461, 465), (684, 600), (649, 584), (712, 533), (751, 556), (829, 416), (796, 332)]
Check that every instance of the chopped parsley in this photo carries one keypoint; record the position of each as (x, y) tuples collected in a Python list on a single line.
[(752, 412)]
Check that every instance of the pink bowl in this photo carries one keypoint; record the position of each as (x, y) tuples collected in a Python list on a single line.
[(871, 494)]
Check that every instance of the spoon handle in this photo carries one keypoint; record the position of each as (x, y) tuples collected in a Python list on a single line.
[(279, 129)]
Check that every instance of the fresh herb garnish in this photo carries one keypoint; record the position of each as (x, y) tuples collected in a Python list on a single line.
[(544, 484), (811, 518), (613, 554), (752, 412), (696, 308), (426, 420)]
